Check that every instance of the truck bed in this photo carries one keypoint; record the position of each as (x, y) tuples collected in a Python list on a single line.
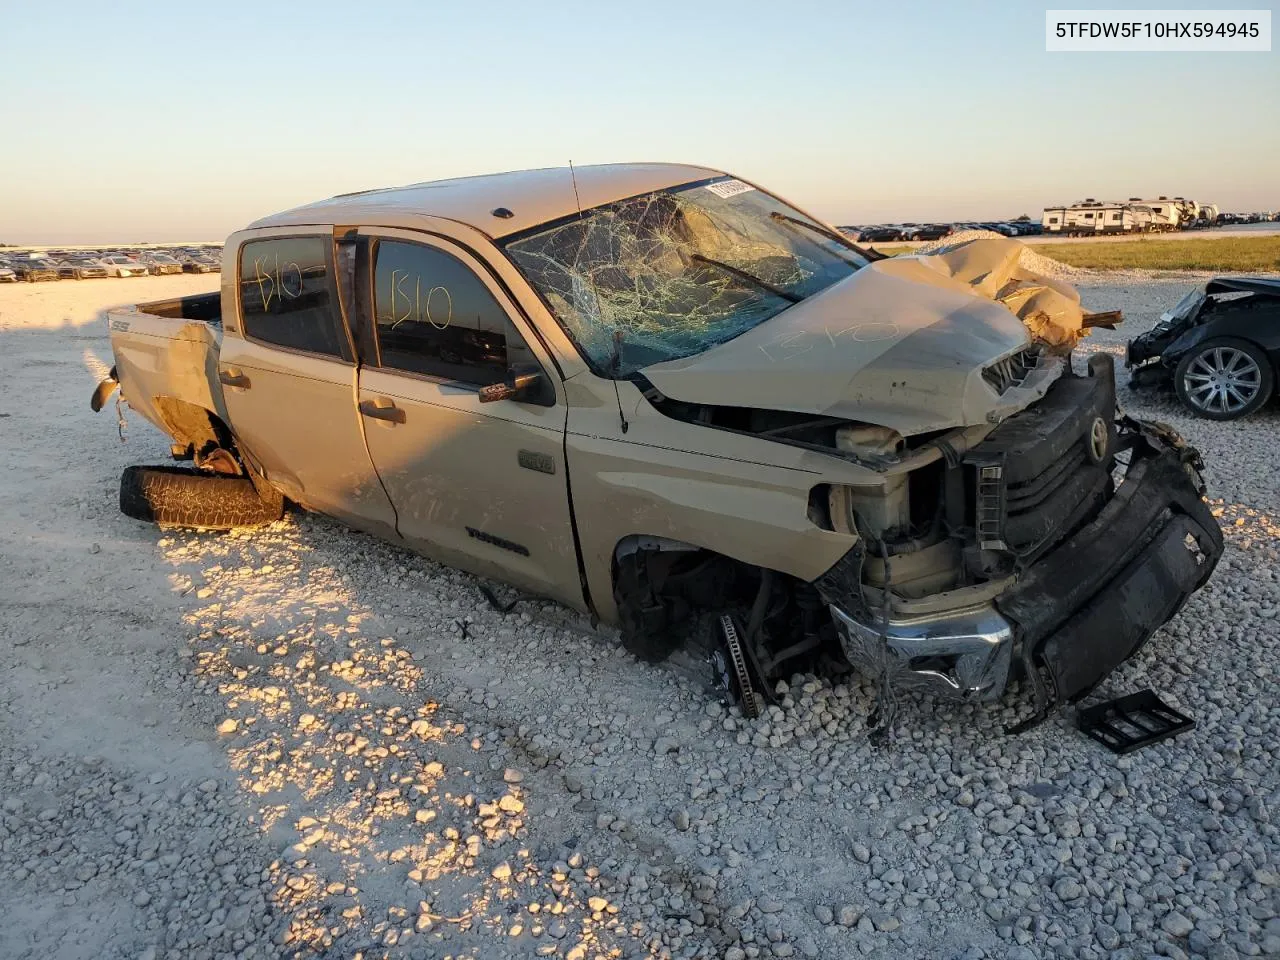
[(166, 361), (205, 307)]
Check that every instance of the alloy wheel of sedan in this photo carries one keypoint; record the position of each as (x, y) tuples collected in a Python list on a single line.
[(1224, 380)]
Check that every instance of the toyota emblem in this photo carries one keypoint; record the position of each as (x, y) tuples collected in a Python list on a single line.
[(1098, 439)]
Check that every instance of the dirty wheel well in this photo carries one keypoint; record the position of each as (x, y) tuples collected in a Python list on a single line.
[(191, 424), (671, 595), (200, 435)]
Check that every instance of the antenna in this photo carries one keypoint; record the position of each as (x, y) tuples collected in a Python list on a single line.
[(615, 361), (574, 177)]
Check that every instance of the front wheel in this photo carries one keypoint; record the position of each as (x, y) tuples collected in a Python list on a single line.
[(1224, 379)]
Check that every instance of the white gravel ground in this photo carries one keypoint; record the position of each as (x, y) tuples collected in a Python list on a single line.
[(302, 741)]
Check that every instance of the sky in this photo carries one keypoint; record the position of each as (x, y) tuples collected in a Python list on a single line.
[(130, 122)]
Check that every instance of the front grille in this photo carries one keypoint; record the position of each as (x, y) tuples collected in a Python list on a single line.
[(1005, 374), (1040, 511), (1034, 479)]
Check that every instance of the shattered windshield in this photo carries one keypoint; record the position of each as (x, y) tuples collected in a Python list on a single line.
[(1187, 305), (673, 273), (1181, 311)]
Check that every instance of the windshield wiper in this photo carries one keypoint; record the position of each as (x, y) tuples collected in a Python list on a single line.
[(823, 231), (749, 277)]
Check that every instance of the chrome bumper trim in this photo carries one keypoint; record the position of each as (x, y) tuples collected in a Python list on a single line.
[(962, 655)]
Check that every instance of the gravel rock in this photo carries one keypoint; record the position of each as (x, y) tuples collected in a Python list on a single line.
[(1067, 890), (1176, 924)]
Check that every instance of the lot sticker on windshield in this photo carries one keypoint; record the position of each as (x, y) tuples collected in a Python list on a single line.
[(729, 188)]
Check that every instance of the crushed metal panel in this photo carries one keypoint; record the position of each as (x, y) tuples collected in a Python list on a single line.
[(896, 344), (993, 268), (165, 357)]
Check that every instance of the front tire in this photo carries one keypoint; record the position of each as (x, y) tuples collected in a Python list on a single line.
[(176, 496), (1224, 378)]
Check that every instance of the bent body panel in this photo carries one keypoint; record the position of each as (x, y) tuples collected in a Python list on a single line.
[(743, 497), (166, 357)]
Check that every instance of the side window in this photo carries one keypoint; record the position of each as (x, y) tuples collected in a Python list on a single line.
[(286, 295), (435, 316)]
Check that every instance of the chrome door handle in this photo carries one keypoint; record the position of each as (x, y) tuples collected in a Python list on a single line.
[(386, 410), (230, 379)]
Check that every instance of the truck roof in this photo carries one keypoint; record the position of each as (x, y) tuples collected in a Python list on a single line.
[(531, 197)]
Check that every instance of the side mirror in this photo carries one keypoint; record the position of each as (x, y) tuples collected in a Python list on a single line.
[(522, 383)]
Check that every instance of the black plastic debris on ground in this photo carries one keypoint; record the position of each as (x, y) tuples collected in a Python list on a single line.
[(1129, 723)]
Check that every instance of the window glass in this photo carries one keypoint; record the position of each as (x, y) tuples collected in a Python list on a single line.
[(286, 295), (435, 316)]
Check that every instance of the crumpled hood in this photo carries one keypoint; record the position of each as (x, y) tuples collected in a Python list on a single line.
[(902, 343)]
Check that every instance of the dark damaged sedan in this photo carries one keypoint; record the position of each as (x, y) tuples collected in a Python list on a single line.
[(1219, 347), (36, 269)]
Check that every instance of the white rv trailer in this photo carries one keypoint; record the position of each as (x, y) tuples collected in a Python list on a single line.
[(1053, 219), (1094, 217), (1091, 217), (1170, 213)]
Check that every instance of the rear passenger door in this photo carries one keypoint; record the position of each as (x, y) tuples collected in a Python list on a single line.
[(288, 373), (479, 485)]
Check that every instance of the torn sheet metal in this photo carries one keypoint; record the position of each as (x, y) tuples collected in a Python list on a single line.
[(158, 358), (993, 268)]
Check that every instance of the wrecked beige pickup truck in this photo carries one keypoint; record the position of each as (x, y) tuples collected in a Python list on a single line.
[(667, 398)]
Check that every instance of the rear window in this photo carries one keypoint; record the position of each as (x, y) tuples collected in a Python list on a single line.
[(286, 296)]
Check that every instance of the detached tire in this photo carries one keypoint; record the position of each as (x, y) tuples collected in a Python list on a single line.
[(178, 497)]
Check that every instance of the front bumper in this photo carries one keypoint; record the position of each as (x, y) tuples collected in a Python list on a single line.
[(1076, 613), (1144, 357), (964, 655)]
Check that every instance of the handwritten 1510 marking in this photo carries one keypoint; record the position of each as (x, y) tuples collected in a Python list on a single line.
[(275, 282), (791, 345), (417, 307)]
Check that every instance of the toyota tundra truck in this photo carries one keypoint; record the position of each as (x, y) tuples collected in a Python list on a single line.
[(666, 397)]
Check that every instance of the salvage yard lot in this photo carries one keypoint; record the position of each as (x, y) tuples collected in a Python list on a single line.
[(305, 741)]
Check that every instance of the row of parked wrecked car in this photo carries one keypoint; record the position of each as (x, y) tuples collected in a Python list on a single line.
[(895, 232), (85, 265)]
